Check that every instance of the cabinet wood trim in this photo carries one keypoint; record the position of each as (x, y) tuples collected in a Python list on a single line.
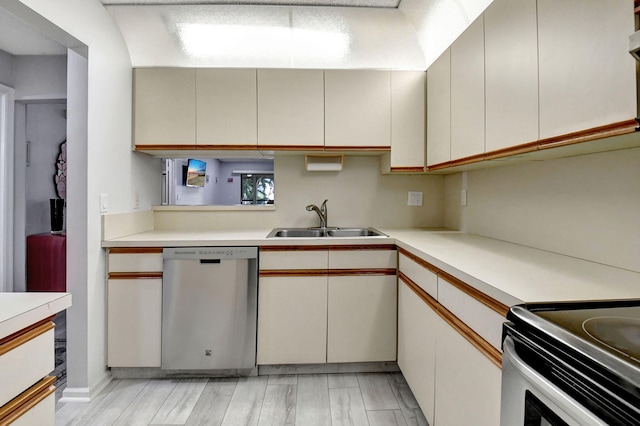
[(463, 329), (135, 250), (594, 133), (349, 272), (226, 147), (613, 129), (358, 247), (358, 148), (165, 147), (294, 248), (423, 295), (488, 301), (419, 260), (407, 169), (293, 273), (134, 275), (24, 402), (23, 336), (291, 147)]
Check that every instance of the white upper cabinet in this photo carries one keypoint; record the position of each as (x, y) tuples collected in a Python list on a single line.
[(587, 77), (511, 73), (291, 108), (467, 92), (164, 106), (357, 109), (226, 108), (408, 117), (439, 110)]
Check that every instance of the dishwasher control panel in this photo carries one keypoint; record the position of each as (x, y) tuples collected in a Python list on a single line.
[(210, 253)]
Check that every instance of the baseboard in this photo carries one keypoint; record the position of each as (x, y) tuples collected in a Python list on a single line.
[(336, 368), (70, 394), (158, 373)]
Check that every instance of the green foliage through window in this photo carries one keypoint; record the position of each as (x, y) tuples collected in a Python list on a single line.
[(257, 188)]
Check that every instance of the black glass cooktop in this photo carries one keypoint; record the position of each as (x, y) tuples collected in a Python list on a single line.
[(614, 329)]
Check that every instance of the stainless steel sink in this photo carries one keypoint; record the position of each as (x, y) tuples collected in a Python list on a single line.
[(324, 233)]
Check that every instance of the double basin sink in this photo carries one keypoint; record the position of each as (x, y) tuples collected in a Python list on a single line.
[(327, 232)]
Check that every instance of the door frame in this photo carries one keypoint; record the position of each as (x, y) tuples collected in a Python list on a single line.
[(7, 105)]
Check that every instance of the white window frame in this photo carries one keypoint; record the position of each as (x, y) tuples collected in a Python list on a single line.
[(7, 105)]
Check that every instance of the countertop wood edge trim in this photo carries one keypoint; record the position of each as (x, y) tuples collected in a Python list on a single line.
[(363, 247), (24, 402), (294, 248), (135, 250), (23, 336), (372, 271), (325, 247), (463, 329), (134, 275)]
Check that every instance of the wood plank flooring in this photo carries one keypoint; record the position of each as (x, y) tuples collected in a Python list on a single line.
[(376, 399)]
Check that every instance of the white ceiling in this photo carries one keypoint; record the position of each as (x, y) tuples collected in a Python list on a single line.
[(347, 3), (19, 38)]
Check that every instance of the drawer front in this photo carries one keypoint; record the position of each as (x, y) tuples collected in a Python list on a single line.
[(27, 363), (427, 280), (35, 406), (362, 259), (294, 260), (478, 316), (135, 262), (42, 414)]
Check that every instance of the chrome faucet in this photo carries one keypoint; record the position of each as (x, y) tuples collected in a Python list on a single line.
[(322, 213)]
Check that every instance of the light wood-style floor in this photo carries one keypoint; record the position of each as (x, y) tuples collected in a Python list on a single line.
[(301, 400)]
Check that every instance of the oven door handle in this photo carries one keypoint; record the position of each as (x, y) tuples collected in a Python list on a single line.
[(542, 387)]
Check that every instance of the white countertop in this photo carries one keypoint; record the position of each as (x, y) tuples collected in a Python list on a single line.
[(513, 273), (20, 310), (510, 273)]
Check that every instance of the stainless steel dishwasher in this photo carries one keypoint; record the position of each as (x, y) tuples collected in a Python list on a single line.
[(209, 308)]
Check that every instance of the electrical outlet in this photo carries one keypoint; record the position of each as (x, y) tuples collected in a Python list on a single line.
[(136, 200), (104, 203), (414, 198)]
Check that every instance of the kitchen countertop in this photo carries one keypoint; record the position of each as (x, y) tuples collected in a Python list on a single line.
[(20, 310), (510, 273)]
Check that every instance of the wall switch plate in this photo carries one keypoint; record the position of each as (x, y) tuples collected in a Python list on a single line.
[(415, 198), (463, 197), (104, 203), (136, 200)]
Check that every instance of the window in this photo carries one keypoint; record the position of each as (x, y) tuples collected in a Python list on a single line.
[(257, 188)]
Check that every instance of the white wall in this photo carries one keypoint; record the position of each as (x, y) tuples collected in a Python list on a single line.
[(358, 196), (586, 206), (6, 69), (40, 77), (46, 129), (112, 169)]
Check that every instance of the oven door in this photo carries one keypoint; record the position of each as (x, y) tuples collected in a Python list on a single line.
[(528, 398)]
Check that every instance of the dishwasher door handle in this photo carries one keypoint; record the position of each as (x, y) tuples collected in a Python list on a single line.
[(209, 260)]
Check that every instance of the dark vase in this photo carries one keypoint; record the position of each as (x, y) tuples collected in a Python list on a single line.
[(57, 215)]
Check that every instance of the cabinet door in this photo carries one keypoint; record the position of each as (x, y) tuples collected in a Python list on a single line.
[(292, 320), (467, 92), (134, 322), (291, 108), (439, 110), (226, 108), (164, 106), (408, 106), (511, 73), (416, 347), (357, 109), (362, 318), (464, 377), (587, 77)]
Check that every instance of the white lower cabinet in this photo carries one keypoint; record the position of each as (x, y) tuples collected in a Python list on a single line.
[(361, 318), (416, 347), (292, 320), (134, 322), (467, 383)]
